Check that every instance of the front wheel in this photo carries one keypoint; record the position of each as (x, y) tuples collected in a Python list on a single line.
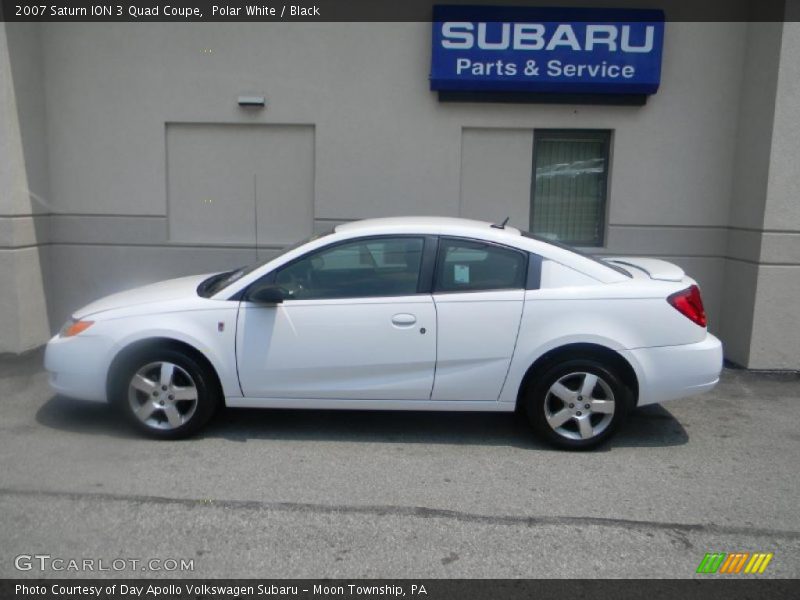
[(578, 404), (166, 393)]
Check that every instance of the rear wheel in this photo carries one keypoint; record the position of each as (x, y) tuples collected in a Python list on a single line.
[(166, 393), (578, 404)]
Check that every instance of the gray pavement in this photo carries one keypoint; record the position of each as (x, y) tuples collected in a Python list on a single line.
[(357, 494)]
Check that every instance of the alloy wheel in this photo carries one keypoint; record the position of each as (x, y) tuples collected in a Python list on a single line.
[(162, 395), (579, 406)]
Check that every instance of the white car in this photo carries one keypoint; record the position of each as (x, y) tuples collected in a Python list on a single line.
[(400, 314)]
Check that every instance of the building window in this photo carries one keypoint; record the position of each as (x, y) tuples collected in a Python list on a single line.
[(570, 181)]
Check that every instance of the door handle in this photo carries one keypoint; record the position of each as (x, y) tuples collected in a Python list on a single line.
[(404, 320)]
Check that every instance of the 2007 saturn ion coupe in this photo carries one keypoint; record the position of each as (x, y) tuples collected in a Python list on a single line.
[(400, 314)]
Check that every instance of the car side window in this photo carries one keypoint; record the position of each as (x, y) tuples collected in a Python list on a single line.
[(470, 266), (365, 268)]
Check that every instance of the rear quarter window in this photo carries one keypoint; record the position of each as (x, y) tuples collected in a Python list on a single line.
[(591, 257), (556, 275)]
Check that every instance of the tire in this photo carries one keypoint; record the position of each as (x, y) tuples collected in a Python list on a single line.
[(556, 403), (166, 393)]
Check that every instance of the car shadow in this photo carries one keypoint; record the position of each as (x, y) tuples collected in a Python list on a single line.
[(650, 426), (77, 416)]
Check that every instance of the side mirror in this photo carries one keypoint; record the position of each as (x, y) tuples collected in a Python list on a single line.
[(265, 294)]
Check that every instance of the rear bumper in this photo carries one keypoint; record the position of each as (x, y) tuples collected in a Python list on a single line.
[(78, 366), (672, 372)]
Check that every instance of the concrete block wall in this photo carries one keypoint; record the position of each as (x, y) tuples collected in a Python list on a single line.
[(23, 178), (152, 169)]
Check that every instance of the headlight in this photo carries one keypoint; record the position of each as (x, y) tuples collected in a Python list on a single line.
[(73, 327)]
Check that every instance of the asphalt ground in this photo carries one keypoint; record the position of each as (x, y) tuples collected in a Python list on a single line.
[(289, 494)]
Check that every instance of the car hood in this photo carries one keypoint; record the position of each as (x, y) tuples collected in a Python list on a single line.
[(171, 289)]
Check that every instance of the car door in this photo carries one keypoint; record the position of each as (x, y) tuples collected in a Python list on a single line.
[(479, 291), (357, 322)]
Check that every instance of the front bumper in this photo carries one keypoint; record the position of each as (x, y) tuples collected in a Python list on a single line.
[(672, 372), (78, 366)]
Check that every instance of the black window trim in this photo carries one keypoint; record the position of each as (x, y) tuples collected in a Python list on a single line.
[(534, 279), (532, 276), (424, 280), (427, 275)]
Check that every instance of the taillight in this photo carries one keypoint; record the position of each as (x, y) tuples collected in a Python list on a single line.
[(689, 303)]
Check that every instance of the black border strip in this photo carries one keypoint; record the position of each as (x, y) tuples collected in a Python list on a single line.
[(376, 10), (461, 589), (543, 98)]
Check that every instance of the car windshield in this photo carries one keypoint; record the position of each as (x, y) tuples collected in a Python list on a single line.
[(558, 244), (220, 281)]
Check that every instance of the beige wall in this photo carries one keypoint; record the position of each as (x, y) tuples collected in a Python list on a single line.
[(776, 323), (23, 182), (382, 144), (262, 191), (750, 176)]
